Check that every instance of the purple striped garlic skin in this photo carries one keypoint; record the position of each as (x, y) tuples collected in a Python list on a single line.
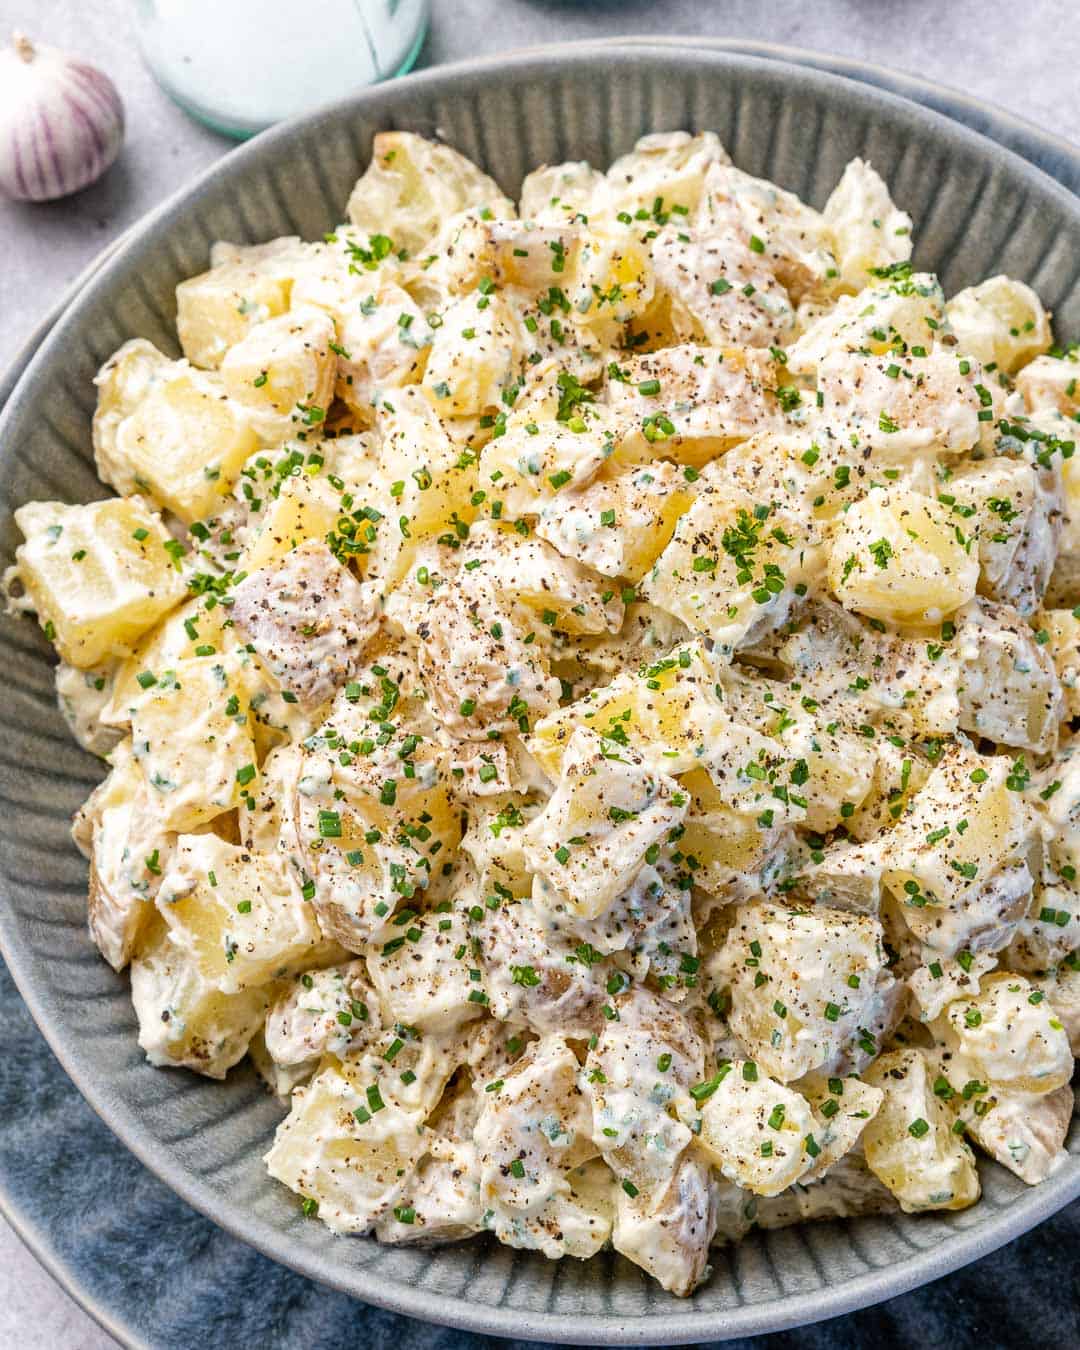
[(61, 122)]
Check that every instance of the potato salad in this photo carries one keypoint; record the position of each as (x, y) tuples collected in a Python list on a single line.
[(588, 690)]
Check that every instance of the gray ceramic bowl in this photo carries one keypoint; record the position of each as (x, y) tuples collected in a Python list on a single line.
[(978, 210)]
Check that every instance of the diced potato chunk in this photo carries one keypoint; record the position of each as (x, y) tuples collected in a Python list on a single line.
[(283, 373), (1051, 382), (417, 184), (963, 825), (1007, 1039), (423, 979), (129, 848), (732, 566), (895, 555), (184, 1019), (757, 1131), (619, 525), (1062, 627), (476, 354), (590, 840), (867, 230), (98, 575), (184, 443), (346, 1147), (999, 321), (670, 1236), (824, 981), (215, 309), (671, 165), (235, 914), (193, 739), (1009, 692), (910, 1144)]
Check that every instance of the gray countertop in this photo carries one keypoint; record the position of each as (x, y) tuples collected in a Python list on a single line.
[(1022, 59)]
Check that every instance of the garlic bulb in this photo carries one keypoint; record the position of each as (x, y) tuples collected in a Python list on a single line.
[(61, 122)]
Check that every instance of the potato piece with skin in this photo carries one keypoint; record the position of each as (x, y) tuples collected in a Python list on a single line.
[(421, 978), (984, 920), (417, 184), (440, 1199), (184, 1020), (671, 1236), (690, 403), (346, 1147), (322, 1012), (98, 576), (1006, 1039), (788, 235), (128, 846), (1025, 1134), (534, 974), (82, 696), (235, 914), (999, 321), (837, 769), (759, 1133), (895, 555), (216, 309), (732, 567), (283, 373), (933, 400), (651, 924), (910, 1144), (1062, 989), (637, 1076), (803, 1015), (482, 675), (867, 230), (208, 769), (618, 525), (1051, 382), (308, 619), (610, 801), (1009, 691), (935, 984), (1017, 517)]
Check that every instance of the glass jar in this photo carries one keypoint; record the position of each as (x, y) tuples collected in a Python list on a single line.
[(241, 65)]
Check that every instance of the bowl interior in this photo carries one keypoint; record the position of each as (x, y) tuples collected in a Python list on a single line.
[(977, 209)]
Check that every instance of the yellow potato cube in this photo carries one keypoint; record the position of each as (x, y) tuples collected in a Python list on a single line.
[(216, 309), (184, 444), (759, 1133), (899, 555), (236, 914), (98, 575), (910, 1144), (476, 355), (345, 1146), (415, 184), (194, 738), (184, 1020), (283, 374), (1001, 321)]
